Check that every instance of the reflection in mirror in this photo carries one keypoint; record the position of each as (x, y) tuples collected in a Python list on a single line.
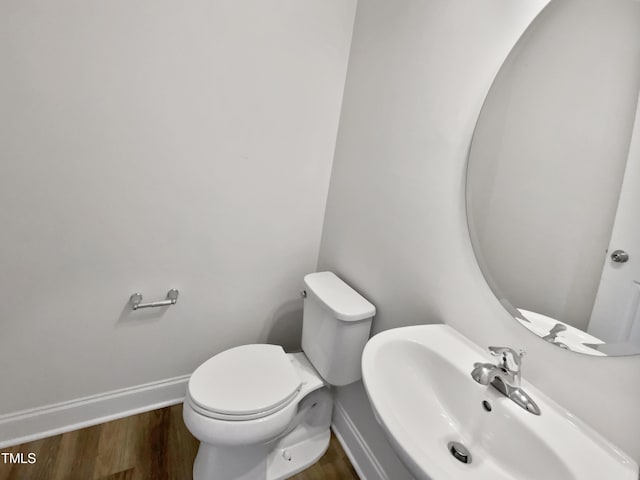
[(553, 179)]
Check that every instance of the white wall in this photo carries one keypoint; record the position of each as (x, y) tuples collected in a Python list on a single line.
[(153, 145), (395, 226), (549, 153)]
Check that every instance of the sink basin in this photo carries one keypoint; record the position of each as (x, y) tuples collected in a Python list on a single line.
[(419, 384)]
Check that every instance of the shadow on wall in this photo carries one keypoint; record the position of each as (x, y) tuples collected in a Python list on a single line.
[(285, 327)]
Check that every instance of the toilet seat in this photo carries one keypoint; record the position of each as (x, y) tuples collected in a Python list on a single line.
[(217, 429), (244, 383)]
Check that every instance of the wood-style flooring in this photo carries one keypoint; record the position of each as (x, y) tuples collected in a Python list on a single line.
[(151, 446)]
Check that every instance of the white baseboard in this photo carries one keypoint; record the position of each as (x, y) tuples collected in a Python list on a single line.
[(34, 424), (354, 445)]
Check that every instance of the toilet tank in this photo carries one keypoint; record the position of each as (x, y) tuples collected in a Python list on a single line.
[(335, 327)]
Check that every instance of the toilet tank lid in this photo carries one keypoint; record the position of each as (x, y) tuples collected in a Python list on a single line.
[(334, 294)]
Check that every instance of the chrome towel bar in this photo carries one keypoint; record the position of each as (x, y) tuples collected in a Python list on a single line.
[(136, 299)]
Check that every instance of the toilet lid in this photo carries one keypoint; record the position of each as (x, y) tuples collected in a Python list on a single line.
[(244, 380)]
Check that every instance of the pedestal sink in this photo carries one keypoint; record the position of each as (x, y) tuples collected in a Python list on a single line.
[(445, 426)]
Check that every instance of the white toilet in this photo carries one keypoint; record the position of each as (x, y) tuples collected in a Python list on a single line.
[(263, 414)]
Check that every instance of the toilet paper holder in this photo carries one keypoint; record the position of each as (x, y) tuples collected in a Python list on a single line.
[(136, 300)]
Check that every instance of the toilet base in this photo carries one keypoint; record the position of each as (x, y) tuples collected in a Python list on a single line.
[(258, 463), (301, 446), (287, 461)]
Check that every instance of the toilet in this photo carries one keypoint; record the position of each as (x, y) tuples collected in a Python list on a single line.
[(263, 414)]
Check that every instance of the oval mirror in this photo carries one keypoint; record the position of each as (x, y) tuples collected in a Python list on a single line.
[(553, 178)]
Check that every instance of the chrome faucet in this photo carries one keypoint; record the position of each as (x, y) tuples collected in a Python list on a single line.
[(552, 336), (505, 377)]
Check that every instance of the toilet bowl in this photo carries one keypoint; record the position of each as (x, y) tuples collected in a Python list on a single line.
[(263, 414)]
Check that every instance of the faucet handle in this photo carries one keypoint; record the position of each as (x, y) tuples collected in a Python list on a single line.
[(505, 353), (557, 328)]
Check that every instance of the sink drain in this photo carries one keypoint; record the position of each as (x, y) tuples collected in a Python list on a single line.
[(459, 452)]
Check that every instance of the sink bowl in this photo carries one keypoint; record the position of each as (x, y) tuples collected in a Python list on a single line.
[(419, 384)]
